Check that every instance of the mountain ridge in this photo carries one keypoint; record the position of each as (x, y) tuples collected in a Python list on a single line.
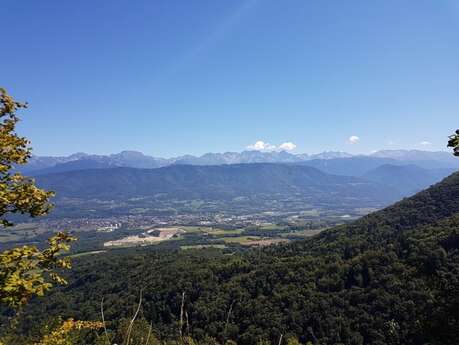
[(406, 178), (46, 164), (191, 180)]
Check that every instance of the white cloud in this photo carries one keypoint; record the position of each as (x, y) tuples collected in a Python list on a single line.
[(353, 139), (425, 143), (287, 146), (261, 146)]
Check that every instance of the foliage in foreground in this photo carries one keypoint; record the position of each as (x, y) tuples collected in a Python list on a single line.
[(27, 271), (24, 271), (454, 142)]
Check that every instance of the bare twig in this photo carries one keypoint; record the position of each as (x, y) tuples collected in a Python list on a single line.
[(181, 315), (187, 324), (133, 319), (228, 315), (311, 331), (103, 320), (280, 339), (149, 333)]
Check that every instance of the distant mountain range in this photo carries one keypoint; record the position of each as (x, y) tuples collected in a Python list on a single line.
[(407, 179), (340, 163), (262, 180), (78, 161)]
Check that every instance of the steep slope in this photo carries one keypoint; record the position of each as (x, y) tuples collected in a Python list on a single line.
[(427, 208), (391, 277)]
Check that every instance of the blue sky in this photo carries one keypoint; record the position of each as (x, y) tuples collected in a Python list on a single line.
[(170, 77)]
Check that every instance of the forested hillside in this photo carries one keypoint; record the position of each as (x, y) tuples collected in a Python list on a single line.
[(239, 188), (391, 277), (222, 181)]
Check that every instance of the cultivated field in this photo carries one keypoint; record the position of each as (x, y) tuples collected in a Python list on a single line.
[(151, 236)]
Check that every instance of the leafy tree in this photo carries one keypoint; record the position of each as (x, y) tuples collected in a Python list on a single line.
[(454, 142), (68, 332), (24, 271)]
